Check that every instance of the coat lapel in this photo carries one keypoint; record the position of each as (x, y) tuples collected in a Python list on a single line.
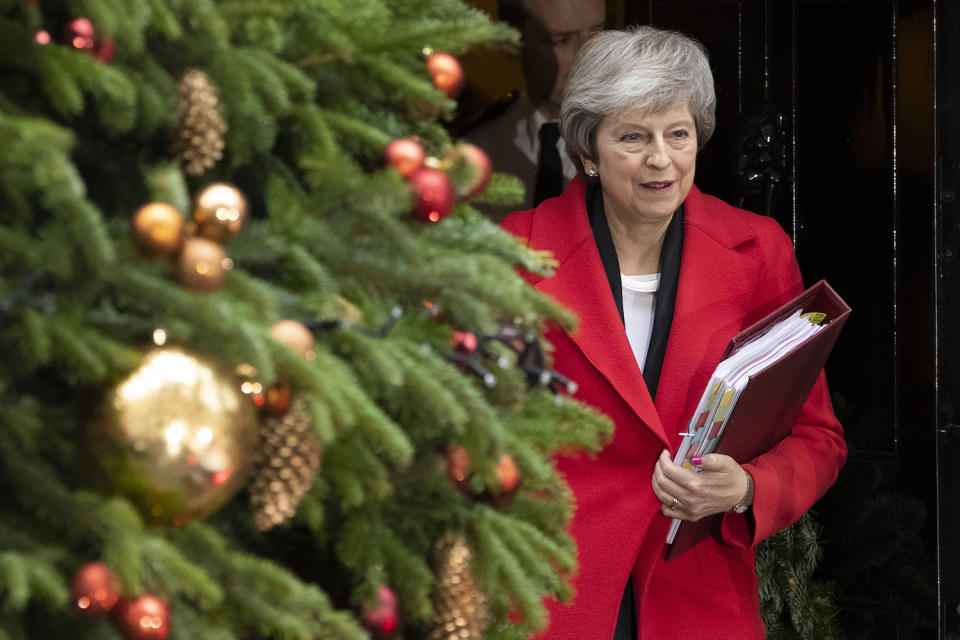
[(579, 283), (709, 309)]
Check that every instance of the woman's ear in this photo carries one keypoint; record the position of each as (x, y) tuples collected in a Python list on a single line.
[(589, 167)]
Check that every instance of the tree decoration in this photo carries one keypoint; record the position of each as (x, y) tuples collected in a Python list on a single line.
[(459, 607), (42, 36), (464, 341), (295, 336), (95, 589), (143, 618), (198, 142), (382, 617), (458, 466), (79, 34), (286, 464), (433, 194), (459, 471), (467, 353), (104, 51), (220, 211), (508, 477), (447, 73), (202, 265), (530, 359), (158, 230), (277, 400), (405, 155), (479, 165), (176, 437)]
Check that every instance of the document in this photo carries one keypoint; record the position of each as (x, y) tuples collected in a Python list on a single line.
[(758, 389)]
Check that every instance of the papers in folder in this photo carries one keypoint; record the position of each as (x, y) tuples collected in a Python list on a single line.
[(731, 378)]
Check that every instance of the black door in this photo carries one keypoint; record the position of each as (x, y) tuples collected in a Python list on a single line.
[(827, 122), (948, 298)]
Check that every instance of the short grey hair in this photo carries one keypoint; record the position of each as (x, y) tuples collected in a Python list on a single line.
[(640, 67)]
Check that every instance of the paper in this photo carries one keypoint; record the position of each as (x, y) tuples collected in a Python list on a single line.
[(728, 382)]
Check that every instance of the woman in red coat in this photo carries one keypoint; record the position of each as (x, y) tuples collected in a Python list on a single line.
[(662, 276)]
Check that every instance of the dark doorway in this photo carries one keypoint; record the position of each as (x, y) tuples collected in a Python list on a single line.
[(828, 121)]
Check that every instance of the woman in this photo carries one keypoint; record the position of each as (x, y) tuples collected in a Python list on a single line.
[(662, 276)]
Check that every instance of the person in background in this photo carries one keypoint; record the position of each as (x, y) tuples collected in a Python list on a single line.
[(661, 277), (524, 138)]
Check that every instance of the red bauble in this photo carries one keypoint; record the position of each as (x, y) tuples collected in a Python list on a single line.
[(464, 341), (480, 166), (104, 51), (42, 37), (433, 194), (447, 73), (458, 467), (382, 617), (95, 589), (277, 400), (507, 473), (144, 618), (405, 155), (79, 34), (508, 477)]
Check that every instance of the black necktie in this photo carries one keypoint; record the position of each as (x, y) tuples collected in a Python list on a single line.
[(550, 171)]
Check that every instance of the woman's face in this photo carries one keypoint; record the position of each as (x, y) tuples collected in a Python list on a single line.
[(646, 162)]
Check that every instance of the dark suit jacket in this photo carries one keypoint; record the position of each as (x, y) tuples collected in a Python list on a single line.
[(736, 267)]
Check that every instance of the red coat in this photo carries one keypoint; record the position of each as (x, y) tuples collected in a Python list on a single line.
[(736, 267)]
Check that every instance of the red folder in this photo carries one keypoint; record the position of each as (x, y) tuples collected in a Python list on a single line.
[(772, 400)]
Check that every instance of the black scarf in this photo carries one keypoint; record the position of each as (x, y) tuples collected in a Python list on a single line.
[(669, 278), (666, 299)]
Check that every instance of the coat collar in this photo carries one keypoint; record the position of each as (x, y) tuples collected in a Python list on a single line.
[(561, 225)]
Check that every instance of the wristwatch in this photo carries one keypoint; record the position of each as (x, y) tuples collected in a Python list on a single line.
[(747, 498)]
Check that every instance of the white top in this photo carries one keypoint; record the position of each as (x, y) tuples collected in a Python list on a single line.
[(639, 301), (513, 143)]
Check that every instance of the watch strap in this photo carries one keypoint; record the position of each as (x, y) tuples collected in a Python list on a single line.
[(747, 499)]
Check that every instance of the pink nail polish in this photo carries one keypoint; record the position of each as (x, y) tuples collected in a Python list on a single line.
[(697, 460)]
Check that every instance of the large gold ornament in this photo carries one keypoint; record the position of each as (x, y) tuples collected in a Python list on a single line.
[(202, 265), (220, 211), (158, 229), (177, 437)]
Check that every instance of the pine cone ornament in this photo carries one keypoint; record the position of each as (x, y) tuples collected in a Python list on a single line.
[(286, 464), (200, 128), (459, 607)]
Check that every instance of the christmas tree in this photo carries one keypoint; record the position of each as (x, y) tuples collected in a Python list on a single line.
[(266, 371)]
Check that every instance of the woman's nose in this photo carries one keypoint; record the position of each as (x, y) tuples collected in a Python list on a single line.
[(657, 154)]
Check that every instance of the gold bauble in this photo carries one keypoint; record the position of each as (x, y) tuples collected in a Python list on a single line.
[(158, 229), (295, 336), (177, 437), (220, 211), (202, 265)]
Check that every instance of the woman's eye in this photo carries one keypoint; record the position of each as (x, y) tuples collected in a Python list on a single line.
[(630, 137), (681, 133)]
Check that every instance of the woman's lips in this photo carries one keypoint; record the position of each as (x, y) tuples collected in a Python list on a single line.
[(657, 186)]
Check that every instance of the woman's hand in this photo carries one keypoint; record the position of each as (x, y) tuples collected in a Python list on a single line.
[(720, 484)]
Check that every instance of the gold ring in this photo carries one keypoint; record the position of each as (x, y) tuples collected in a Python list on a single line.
[(676, 503)]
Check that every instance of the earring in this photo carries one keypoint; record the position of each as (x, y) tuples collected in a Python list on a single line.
[(592, 172)]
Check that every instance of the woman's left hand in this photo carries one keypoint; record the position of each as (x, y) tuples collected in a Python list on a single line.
[(716, 488)]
